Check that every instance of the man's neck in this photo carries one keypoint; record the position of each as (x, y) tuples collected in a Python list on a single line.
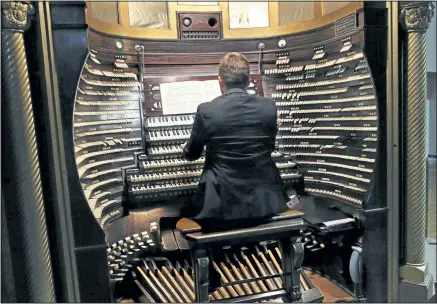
[(224, 91)]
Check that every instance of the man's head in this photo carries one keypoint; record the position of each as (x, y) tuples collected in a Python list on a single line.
[(234, 71)]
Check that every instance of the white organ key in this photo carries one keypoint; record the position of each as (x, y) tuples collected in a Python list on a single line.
[(169, 163), (100, 173), (84, 168), (98, 211), (93, 201), (106, 102), (336, 165), (348, 157), (89, 188), (292, 175), (112, 112), (369, 129), (338, 185), (97, 153), (361, 179), (326, 192), (366, 108), (106, 142), (103, 132), (104, 122), (310, 136)]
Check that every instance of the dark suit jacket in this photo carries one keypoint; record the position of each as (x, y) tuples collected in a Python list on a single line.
[(239, 178)]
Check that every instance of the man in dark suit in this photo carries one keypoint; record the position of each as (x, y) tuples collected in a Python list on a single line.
[(239, 180)]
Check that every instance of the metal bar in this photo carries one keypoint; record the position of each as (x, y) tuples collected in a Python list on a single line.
[(393, 153), (256, 297), (246, 274), (254, 272), (237, 273), (232, 279)]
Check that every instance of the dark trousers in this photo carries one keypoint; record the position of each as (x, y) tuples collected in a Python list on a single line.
[(189, 210)]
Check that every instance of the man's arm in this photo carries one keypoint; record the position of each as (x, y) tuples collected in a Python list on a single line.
[(275, 129), (194, 147)]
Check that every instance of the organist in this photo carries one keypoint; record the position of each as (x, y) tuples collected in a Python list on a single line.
[(239, 180)]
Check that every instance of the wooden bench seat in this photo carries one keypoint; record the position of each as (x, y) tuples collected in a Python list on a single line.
[(284, 227)]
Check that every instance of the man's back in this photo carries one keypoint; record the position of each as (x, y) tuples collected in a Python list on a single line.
[(240, 180)]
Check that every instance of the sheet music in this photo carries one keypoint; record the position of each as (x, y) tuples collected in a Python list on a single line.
[(211, 89), (181, 97), (184, 97)]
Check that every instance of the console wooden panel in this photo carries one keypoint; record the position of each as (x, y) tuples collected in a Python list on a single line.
[(199, 26), (123, 29)]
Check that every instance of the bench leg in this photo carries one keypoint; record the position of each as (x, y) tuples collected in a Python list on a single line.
[(201, 275), (292, 258)]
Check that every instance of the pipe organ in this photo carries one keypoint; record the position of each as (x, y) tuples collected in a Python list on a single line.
[(128, 154), (128, 180)]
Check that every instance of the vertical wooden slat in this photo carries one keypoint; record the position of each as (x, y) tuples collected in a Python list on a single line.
[(273, 13), (317, 9), (123, 13)]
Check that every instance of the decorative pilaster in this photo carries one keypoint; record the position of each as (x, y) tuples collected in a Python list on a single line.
[(415, 18), (21, 180)]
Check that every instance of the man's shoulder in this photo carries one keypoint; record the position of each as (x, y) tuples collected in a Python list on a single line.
[(267, 102), (266, 99)]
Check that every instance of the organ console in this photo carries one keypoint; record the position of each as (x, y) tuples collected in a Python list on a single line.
[(327, 148), (126, 175)]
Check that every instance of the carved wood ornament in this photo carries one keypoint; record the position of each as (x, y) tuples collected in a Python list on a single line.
[(16, 15), (416, 16)]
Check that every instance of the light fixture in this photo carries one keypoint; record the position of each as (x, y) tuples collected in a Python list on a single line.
[(139, 47), (119, 45), (282, 43)]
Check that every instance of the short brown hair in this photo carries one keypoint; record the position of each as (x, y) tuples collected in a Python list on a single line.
[(234, 69)]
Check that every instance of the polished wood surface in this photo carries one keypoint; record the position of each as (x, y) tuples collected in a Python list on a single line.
[(330, 290), (139, 220), (198, 53), (200, 23), (291, 213), (123, 29), (186, 225)]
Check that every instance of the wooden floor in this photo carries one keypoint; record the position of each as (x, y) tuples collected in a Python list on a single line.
[(331, 291)]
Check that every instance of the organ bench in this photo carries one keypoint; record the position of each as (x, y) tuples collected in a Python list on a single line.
[(285, 227)]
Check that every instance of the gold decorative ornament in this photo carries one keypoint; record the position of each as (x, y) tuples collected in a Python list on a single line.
[(15, 15), (416, 16)]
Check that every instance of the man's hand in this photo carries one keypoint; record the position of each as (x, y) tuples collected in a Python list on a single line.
[(182, 147)]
